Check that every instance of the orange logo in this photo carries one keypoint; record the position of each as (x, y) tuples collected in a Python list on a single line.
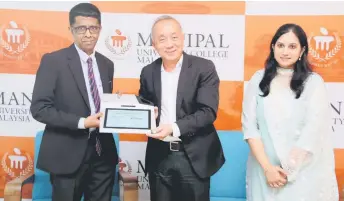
[(17, 163), (14, 40), (124, 166), (118, 44), (324, 48)]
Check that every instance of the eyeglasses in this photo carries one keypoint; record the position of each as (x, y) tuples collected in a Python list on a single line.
[(83, 29)]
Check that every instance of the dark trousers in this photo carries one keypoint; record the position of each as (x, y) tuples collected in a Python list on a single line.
[(175, 180), (94, 179)]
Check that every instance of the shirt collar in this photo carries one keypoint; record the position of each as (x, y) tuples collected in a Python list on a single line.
[(178, 66), (83, 56)]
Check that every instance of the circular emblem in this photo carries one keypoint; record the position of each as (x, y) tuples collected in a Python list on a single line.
[(17, 164), (125, 166), (14, 39), (118, 43), (324, 47)]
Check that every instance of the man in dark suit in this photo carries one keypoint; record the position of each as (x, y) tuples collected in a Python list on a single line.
[(185, 89), (66, 97)]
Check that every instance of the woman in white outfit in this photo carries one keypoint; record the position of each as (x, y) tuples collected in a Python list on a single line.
[(287, 126)]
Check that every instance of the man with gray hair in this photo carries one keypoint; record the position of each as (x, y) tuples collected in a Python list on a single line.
[(185, 89)]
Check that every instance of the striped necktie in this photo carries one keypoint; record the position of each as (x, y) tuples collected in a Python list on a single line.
[(95, 97)]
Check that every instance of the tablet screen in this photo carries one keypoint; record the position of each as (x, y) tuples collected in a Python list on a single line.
[(127, 118)]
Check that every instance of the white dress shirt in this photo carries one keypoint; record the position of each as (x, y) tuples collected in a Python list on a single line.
[(83, 59), (169, 86)]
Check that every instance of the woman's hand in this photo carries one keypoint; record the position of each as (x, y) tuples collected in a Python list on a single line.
[(276, 177)]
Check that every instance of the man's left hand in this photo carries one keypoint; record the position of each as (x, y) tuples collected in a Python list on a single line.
[(161, 132)]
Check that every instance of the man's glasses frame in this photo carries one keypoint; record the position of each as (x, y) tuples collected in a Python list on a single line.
[(83, 29)]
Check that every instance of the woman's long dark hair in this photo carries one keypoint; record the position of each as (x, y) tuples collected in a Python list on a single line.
[(301, 69)]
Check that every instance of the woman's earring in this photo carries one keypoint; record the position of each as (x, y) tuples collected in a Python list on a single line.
[(300, 58)]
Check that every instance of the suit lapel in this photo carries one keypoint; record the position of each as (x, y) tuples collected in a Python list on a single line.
[(184, 77), (157, 81), (76, 68), (103, 74)]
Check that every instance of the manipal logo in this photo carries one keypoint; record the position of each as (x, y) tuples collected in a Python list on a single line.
[(14, 39), (324, 47), (125, 166), (143, 181), (118, 43), (206, 45), (17, 163)]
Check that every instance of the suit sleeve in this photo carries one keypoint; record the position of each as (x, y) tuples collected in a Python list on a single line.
[(207, 101), (111, 74), (42, 105), (143, 86)]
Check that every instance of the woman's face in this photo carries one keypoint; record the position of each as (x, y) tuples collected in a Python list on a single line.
[(287, 50)]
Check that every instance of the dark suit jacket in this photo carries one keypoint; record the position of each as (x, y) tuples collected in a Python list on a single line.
[(59, 100), (197, 105)]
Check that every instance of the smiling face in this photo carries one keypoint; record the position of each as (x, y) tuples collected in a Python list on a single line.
[(287, 50), (168, 39)]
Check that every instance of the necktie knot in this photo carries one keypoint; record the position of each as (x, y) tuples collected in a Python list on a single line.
[(89, 61)]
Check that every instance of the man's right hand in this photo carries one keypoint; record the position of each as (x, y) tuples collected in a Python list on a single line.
[(93, 121)]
